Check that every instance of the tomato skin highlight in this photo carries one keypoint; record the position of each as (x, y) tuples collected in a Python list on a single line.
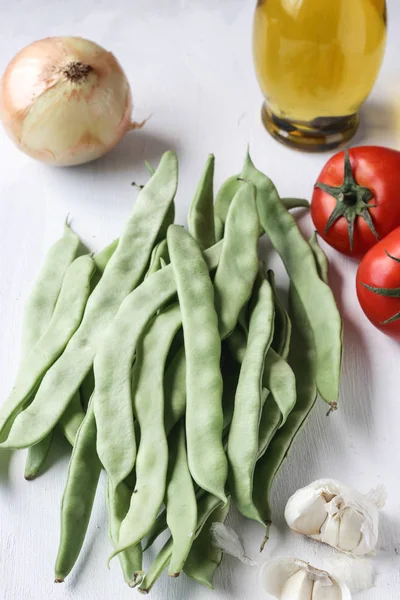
[(375, 168), (377, 269)]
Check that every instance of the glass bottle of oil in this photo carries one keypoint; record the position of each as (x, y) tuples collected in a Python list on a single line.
[(316, 62)]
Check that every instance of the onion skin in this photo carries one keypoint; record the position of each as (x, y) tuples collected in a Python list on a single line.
[(57, 120)]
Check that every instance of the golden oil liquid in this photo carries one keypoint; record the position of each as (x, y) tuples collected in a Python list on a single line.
[(316, 62)]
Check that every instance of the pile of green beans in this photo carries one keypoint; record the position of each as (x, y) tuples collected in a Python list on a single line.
[(169, 360)]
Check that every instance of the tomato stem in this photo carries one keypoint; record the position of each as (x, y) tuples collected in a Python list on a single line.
[(352, 201)]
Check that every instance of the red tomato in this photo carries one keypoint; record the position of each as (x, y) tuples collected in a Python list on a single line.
[(378, 284), (367, 195)]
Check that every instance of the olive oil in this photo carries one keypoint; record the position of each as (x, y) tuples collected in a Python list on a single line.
[(316, 62)]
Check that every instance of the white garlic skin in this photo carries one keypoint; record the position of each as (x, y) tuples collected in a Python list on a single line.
[(332, 513), (294, 579)]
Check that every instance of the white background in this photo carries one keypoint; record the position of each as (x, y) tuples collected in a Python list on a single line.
[(189, 63)]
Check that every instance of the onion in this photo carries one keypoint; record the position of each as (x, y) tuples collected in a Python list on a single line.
[(65, 101)]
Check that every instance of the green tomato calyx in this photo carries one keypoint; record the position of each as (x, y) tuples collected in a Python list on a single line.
[(352, 201)]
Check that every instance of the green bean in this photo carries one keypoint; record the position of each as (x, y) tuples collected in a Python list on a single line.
[(231, 186), (102, 258), (283, 326), (201, 212), (175, 390), (160, 250), (243, 435), (180, 501), (116, 443), (72, 418), (218, 228), (204, 417), (122, 274), (238, 265), (174, 410), (230, 384), (279, 379), (320, 257), (77, 502), (204, 558), (37, 315), (42, 300), (303, 361), (271, 419), (315, 295), (86, 390), (290, 203), (157, 567), (65, 321), (36, 457), (117, 507), (206, 506), (148, 406), (225, 195)]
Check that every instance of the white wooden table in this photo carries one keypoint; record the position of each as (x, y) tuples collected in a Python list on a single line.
[(189, 63)]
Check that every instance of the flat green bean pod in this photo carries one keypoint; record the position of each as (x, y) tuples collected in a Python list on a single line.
[(302, 359), (77, 502), (117, 507), (180, 501), (243, 435), (320, 257), (160, 251), (102, 258), (231, 186), (122, 274), (315, 295), (279, 379), (205, 558), (224, 197), (204, 417), (201, 212), (42, 300), (116, 445), (238, 265), (271, 418), (218, 228), (175, 390), (148, 407), (71, 420), (283, 326), (206, 506), (36, 457), (38, 311), (65, 321)]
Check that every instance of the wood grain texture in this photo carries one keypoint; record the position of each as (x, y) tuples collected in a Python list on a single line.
[(189, 62)]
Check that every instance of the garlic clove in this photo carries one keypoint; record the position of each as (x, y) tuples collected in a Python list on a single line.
[(275, 573), (306, 514), (294, 579), (321, 591), (330, 531), (298, 587), (351, 523)]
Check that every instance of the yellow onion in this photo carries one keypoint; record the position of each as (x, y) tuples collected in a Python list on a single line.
[(65, 101)]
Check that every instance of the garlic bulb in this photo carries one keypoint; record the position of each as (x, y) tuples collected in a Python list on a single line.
[(65, 100), (330, 512), (294, 579)]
